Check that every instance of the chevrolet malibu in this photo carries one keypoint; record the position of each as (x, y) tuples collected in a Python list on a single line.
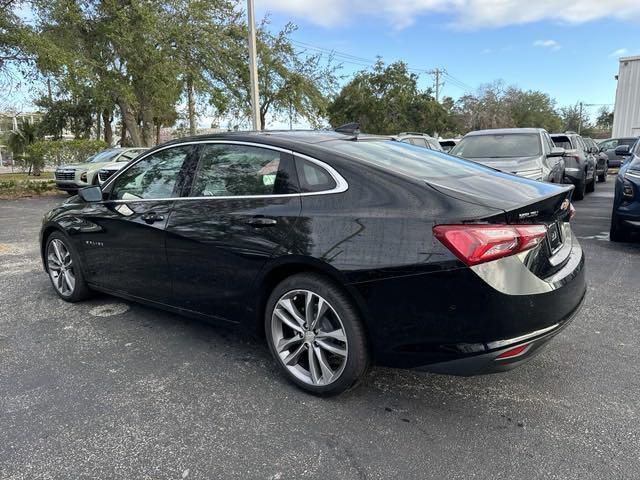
[(341, 250)]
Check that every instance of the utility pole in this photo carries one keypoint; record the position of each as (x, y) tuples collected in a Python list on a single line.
[(580, 119), (438, 84), (253, 68)]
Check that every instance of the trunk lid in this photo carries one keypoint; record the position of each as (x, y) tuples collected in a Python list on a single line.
[(511, 164)]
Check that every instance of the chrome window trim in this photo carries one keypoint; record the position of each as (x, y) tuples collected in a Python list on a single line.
[(341, 183)]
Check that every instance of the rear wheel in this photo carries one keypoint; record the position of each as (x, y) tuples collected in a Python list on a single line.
[(581, 186), (63, 265), (316, 335), (591, 186)]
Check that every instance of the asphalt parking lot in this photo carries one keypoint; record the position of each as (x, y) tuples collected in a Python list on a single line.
[(108, 389)]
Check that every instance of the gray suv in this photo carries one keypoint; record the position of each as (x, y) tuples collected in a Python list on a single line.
[(580, 162), (419, 139), (527, 152)]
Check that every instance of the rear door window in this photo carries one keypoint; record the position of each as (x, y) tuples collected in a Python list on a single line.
[(312, 177), (562, 141), (226, 170)]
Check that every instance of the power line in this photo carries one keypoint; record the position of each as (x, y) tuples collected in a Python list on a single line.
[(344, 57)]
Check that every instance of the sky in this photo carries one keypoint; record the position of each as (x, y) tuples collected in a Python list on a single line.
[(568, 49)]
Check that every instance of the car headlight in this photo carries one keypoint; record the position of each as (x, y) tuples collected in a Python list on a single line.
[(83, 176)]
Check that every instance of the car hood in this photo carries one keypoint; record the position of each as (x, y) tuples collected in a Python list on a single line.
[(113, 165), (511, 164), (82, 166)]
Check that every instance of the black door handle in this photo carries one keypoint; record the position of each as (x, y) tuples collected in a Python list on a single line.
[(261, 222), (152, 217)]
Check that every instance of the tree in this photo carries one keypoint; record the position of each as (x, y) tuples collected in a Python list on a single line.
[(201, 42), (20, 139), (605, 118), (117, 49), (386, 100), (290, 82), (532, 109), (576, 119)]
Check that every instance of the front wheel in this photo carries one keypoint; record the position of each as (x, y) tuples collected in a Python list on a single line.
[(617, 233), (316, 335), (63, 265)]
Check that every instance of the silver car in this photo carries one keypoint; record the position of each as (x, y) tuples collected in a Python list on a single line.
[(527, 152)]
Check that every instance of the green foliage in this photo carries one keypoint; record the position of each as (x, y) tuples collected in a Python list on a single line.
[(12, 188), (291, 82), (495, 106), (604, 119), (59, 152), (387, 100), (75, 114), (576, 119)]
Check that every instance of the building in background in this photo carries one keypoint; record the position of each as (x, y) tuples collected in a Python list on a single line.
[(626, 113)]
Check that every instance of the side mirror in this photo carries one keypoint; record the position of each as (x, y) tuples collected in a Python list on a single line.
[(557, 152), (623, 151), (90, 194)]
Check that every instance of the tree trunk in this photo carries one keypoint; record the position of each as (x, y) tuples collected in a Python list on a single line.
[(158, 133), (147, 129), (191, 107), (98, 125), (108, 131), (130, 122)]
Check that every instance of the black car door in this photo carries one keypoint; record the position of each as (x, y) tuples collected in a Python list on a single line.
[(238, 212), (125, 249)]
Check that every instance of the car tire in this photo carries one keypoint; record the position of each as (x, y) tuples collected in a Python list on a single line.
[(603, 177), (336, 343), (591, 186), (617, 233), (64, 269), (579, 191)]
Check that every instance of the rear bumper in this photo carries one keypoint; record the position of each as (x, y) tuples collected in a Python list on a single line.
[(458, 321), (489, 361)]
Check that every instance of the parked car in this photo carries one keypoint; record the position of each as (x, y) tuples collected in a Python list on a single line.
[(625, 218), (601, 158), (342, 249), (109, 169), (526, 152), (580, 165), (419, 139), (70, 178), (448, 143), (609, 146)]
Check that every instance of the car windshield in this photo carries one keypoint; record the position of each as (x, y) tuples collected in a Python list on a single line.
[(498, 146), (105, 156), (407, 159)]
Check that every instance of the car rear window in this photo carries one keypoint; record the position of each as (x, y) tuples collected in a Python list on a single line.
[(626, 141), (407, 159), (562, 141), (498, 146)]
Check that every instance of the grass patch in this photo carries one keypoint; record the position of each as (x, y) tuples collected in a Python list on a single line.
[(12, 188), (23, 176)]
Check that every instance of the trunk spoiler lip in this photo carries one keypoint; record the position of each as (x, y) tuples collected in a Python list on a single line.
[(450, 192)]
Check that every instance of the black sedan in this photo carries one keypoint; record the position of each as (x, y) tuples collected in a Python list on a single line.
[(625, 218), (342, 250)]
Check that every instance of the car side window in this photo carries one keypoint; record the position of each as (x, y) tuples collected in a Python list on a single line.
[(608, 145), (549, 142), (420, 142), (312, 177), (155, 176), (241, 170)]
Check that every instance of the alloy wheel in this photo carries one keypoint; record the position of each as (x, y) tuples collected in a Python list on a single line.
[(309, 337), (61, 268)]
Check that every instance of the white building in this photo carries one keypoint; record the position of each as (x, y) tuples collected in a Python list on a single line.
[(626, 114)]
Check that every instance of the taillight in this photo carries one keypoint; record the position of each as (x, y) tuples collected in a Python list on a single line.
[(479, 243)]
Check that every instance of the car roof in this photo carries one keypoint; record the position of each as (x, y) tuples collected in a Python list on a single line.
[(281, 137), (505, 131)]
